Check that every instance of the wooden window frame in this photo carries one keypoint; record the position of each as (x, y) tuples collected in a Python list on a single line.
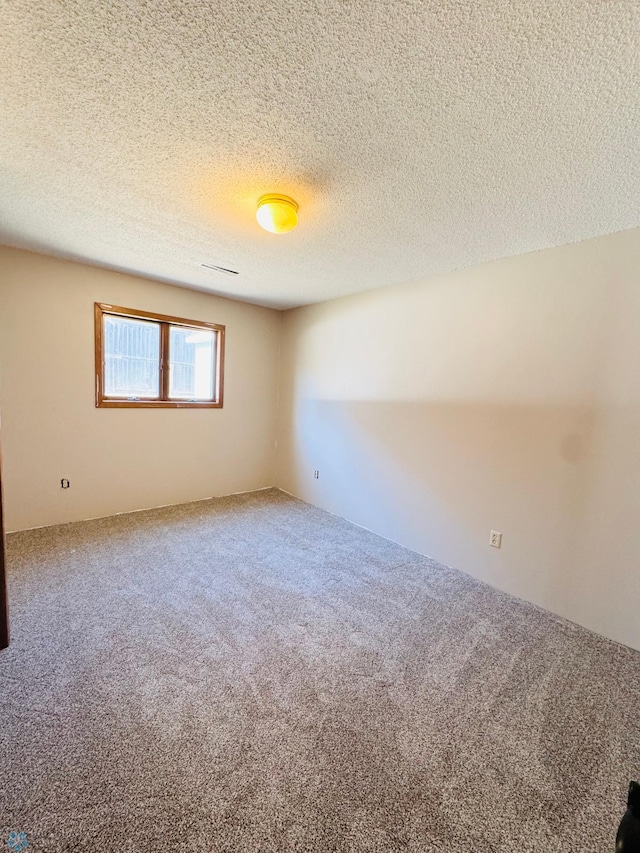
[(165, 321)]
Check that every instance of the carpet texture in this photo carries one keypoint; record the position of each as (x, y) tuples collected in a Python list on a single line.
[(252, 674)]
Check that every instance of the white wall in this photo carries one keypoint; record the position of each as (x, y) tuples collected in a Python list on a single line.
[(505, 396), (120, 459)]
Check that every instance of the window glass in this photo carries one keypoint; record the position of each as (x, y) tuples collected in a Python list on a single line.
[(192, 368), (131, 358)]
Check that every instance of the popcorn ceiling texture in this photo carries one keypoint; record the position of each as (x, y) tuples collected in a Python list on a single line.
[(253, 675), (417, 136)]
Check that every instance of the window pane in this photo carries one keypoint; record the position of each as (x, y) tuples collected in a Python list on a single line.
[(131, 357), (192, 354)]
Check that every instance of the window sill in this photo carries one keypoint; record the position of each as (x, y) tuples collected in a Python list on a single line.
[(156, 404)]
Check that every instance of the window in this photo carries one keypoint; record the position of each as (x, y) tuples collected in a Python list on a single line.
[(149, 360)]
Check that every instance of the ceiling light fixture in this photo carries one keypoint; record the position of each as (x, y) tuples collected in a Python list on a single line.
[(277, 213)]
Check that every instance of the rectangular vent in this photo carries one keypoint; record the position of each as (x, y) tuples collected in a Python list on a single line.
[(216, 268)]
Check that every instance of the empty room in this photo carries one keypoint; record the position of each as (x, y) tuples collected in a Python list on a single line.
[(320, 426)]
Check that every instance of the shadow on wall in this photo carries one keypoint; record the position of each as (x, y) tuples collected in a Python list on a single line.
[(504, 397), (438, 476)]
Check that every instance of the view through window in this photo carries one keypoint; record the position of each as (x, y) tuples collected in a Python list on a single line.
[(154, 360)]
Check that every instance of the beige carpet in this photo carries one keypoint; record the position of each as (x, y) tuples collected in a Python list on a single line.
[(252, 674)]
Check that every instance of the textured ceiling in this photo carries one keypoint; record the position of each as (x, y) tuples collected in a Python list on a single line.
[(417, 136)]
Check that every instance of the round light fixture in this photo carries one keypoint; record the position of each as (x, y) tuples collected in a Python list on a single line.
[(277, 213)]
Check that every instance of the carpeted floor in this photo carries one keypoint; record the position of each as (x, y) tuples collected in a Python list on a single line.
[(251, 674)]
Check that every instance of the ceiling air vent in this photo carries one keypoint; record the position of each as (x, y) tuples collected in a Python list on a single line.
[(216, 268)]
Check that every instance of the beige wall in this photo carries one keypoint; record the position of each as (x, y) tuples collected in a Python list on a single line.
[(119, 459), (507, 397), (504, 397)]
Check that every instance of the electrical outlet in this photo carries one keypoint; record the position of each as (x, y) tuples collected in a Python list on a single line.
[(316, 475), (64, 484), (495, 540)]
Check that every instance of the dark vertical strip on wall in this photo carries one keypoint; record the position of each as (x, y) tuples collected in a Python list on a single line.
[(4, 613)]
